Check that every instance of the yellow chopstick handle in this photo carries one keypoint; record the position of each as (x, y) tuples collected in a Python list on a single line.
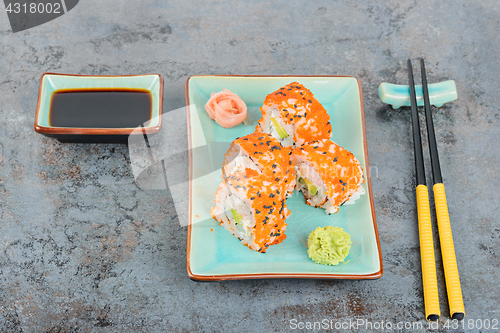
[(453, 288), (431, 297)]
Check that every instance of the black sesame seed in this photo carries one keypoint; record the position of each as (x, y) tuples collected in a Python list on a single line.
[(335, 159), (310, 101)]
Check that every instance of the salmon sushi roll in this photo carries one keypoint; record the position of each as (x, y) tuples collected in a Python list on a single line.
[(262, 154), (328, 175), (293, 116), (252, 208)]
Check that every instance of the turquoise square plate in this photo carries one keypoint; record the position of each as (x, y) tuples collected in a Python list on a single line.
[(212, 252)]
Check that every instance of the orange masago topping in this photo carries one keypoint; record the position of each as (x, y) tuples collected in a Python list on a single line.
[(267, 201), (267, 153), (338, 168), (298, 106)]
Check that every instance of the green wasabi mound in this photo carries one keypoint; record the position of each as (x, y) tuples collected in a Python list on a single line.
[(328, 245)]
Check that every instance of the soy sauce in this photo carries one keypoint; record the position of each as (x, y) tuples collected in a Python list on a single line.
[(100, 108)]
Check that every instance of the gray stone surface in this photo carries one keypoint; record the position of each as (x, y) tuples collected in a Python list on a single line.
[(83, 249)]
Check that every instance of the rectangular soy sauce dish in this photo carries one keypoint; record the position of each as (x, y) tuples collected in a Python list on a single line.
[(212, 252), (52, 84)]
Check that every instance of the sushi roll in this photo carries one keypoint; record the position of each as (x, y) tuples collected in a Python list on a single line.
[(252, 207), (260, 153), (328, 175), (293, 116)]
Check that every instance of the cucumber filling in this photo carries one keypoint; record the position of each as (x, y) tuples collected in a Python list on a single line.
[(281, 131), (311, 188), (238, 219)]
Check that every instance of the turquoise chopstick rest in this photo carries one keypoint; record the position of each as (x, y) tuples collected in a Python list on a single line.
[(399, 95)]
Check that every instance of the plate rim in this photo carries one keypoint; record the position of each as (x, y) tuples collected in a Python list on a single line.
[(224, 277)]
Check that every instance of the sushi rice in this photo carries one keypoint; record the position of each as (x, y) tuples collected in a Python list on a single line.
[(293, 116), (258, 176), (328, 175)]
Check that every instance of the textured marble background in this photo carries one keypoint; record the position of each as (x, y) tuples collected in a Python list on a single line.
[(83, 249)]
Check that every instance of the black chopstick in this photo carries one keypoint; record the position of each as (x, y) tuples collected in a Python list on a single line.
[(454, 290), (436, 169), (417, 141), (429, 279)]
